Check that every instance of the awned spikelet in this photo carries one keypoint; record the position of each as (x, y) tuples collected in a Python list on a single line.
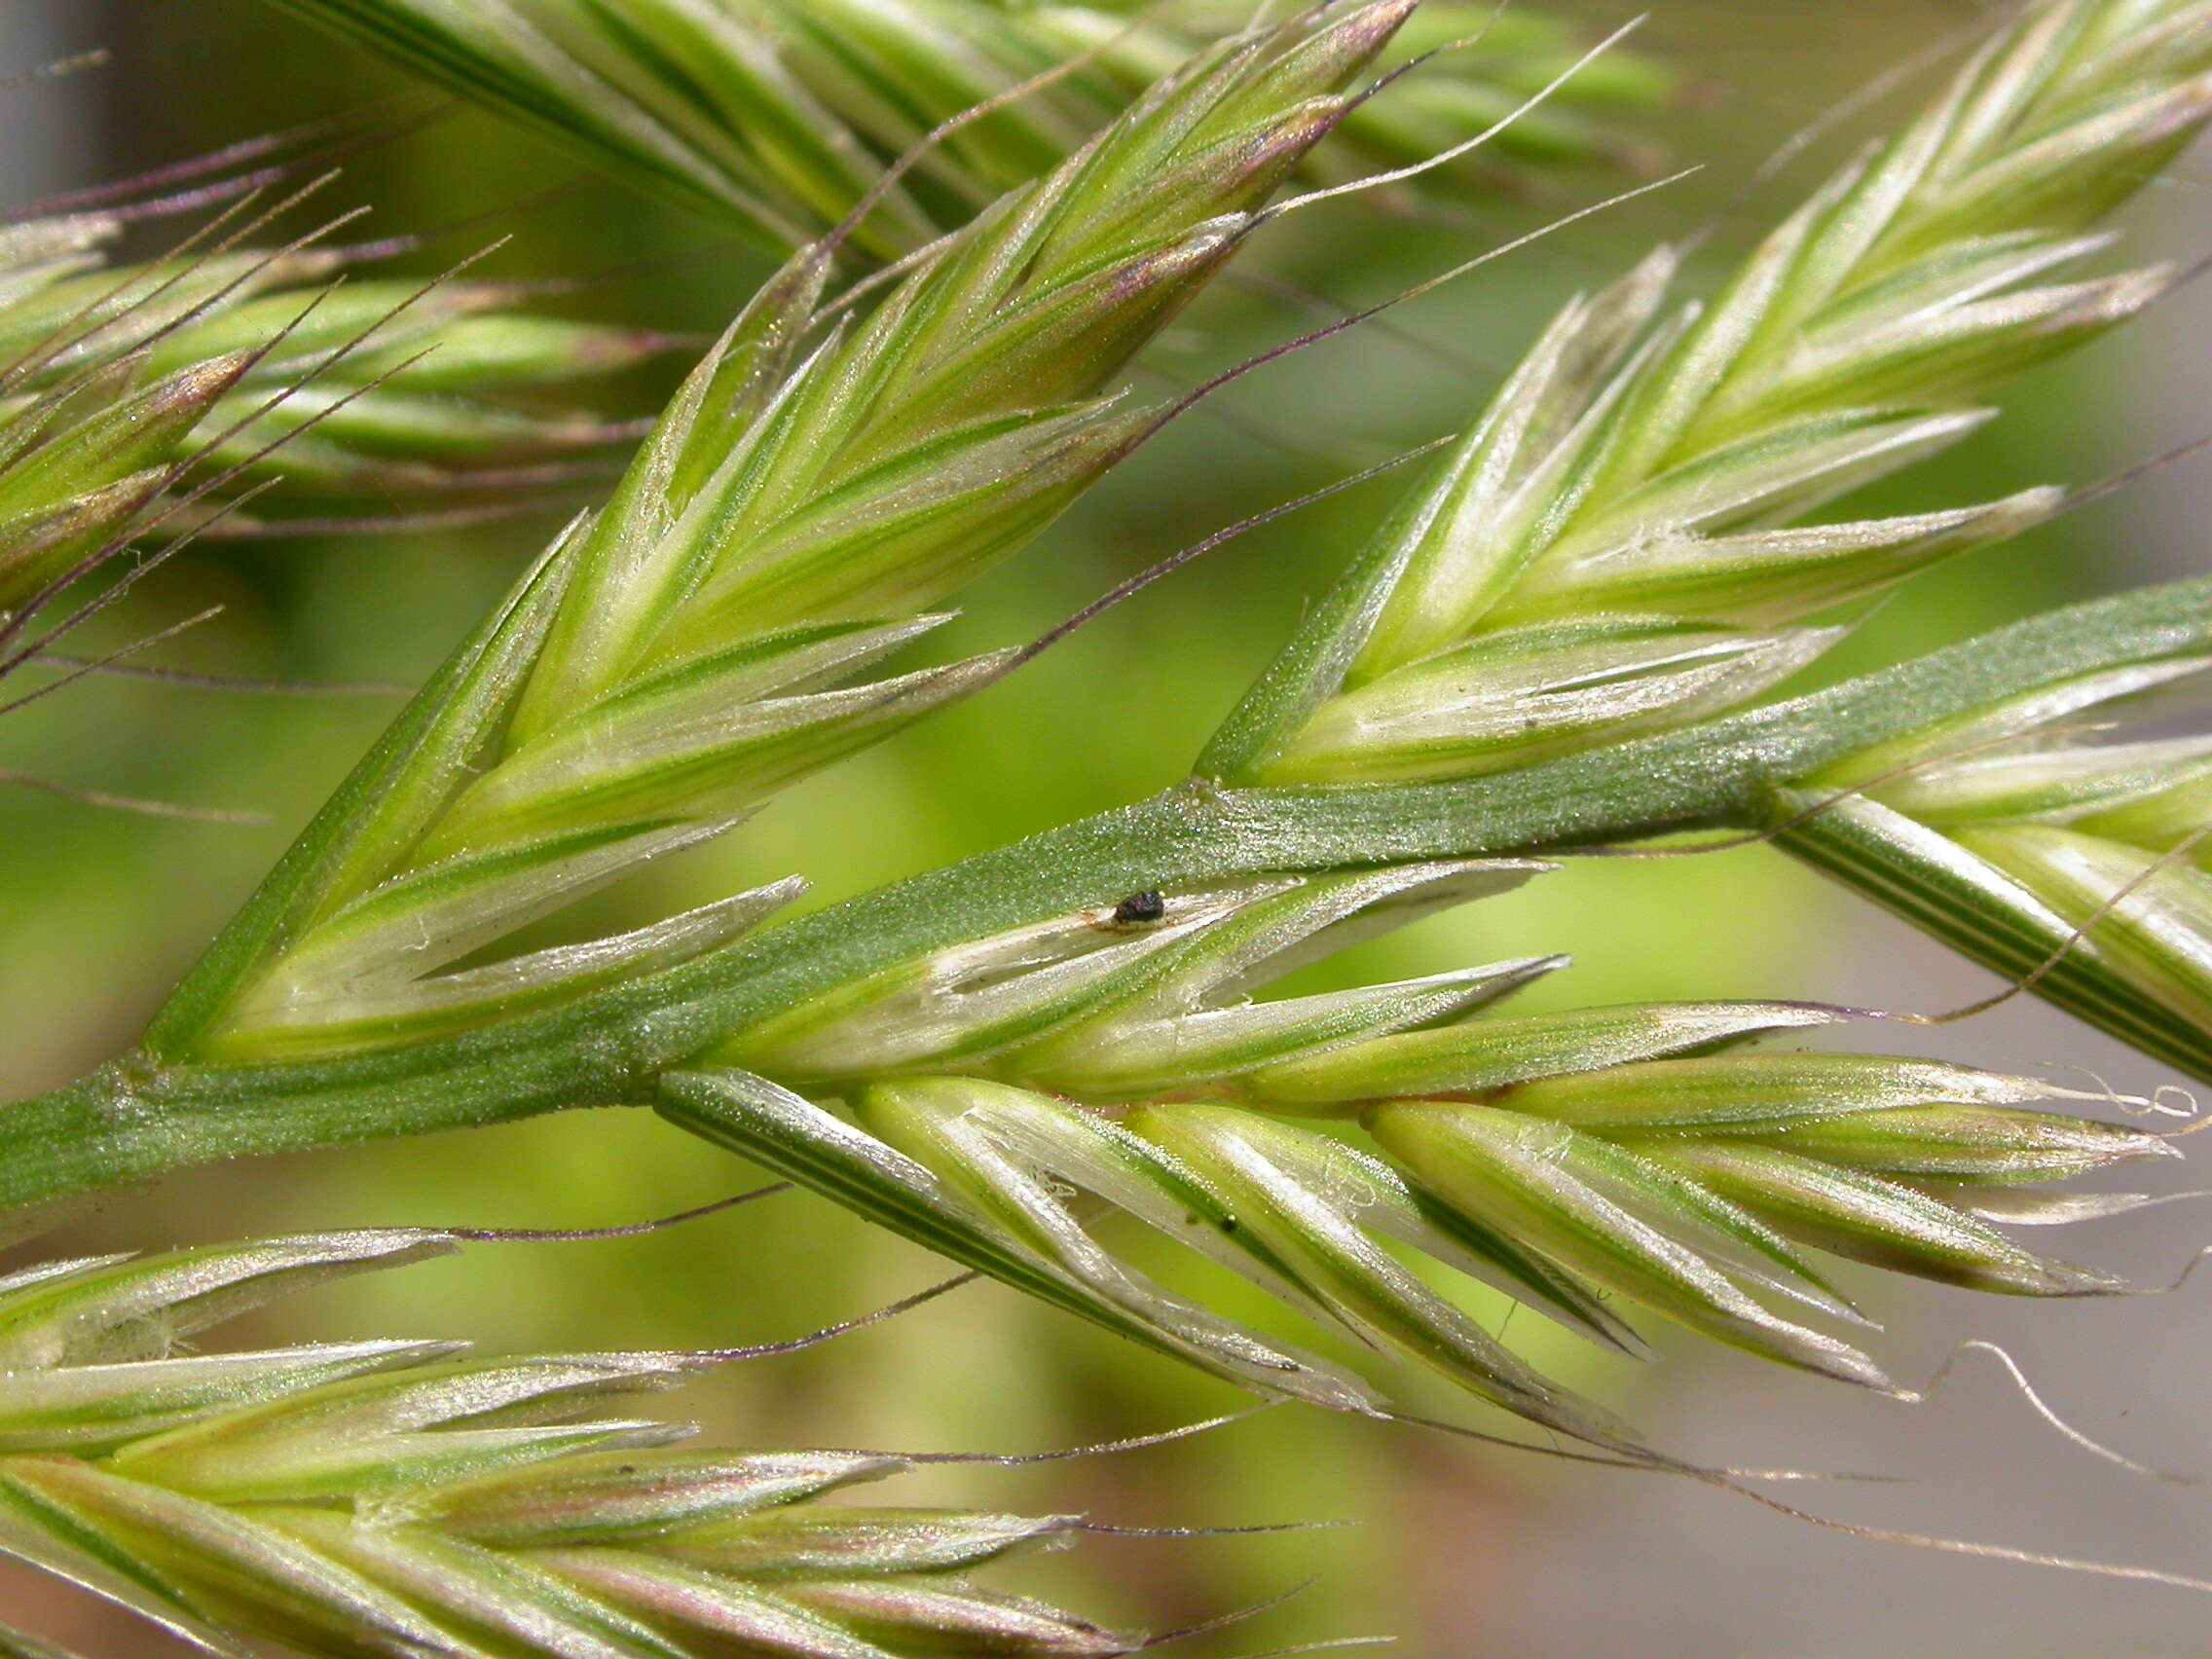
[(703, 641), (779, 115), (1613, 547), (127, 389), (396, 1499)]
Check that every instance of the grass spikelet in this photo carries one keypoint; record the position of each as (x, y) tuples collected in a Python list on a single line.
[(1011, 1096), (153, 398), (2024, 834), (400, 1499), (779, 115), (1612, 547), (817, 483)]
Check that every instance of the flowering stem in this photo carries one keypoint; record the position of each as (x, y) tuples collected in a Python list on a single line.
[(137, 1118)]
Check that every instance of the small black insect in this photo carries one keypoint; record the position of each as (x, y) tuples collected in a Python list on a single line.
[(1146, 906)]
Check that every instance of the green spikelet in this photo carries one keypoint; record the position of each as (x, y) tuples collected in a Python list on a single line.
[(1009, 1097), (147, 397), (779, 115), (395, 1499), (1614, 547), (817, 483), (2014, 834)]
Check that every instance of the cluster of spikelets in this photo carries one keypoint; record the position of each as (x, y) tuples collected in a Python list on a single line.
[(154, 399), (1611, 551), (779, 115), (1009, 1097), (392, 1498)]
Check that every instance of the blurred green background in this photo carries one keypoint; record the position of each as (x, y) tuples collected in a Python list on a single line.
[(1461, 1552)]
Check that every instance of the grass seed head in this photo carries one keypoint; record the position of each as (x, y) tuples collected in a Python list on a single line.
[(1010, 1098), (150, 399)]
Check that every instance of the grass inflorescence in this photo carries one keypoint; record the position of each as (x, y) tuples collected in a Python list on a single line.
[(1616, 544), (1557, 638)]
